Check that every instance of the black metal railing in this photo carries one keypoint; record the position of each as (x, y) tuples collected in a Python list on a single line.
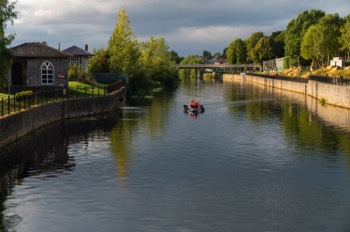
[(336, 80), (284, 78), (10, 105)]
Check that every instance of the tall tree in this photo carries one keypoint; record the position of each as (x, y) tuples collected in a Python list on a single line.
[(250, 45), (123, 46), (175, 57), (294, 33), (328, 33), (309, 46), (206, 56), (7, 14), (236, 52), (278, 37), (344, 38), (157, 61), (265, 49)]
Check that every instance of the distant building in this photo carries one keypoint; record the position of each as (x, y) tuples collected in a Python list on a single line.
[(274, 65), (80, 56), (37, 64), (337, 62)]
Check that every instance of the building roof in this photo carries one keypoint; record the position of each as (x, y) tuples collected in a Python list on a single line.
[(36, 50), (77, 51)]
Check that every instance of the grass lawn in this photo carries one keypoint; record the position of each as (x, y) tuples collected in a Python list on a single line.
[(4, 96), (80, 89)]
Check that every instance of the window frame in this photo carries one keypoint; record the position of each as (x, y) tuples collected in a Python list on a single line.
[(47, 73)]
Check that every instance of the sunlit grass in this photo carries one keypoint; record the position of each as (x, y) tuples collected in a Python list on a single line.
[(5, 96), (81, 89)]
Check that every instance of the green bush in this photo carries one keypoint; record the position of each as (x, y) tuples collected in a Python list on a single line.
[(75, 73), (24, 94)]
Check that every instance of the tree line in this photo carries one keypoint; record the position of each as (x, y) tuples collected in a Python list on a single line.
[(311, 39)]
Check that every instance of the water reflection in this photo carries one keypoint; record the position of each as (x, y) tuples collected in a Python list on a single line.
[(139, 115), (306, 122), (45, 151)]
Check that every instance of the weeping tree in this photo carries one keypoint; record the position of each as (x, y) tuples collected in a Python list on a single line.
[(7, 14)]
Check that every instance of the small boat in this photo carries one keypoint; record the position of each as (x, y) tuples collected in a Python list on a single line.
[(194, 106)]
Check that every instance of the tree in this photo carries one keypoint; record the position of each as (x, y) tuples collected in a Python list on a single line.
[(278, 37), (100, 61), (156, 59), (236, 52), (264, 49), (328, 32), (123, 46), (191, 59), (7, 14), (294, 33), (206, 56), (309, 47), (344, 38), (175, 57), (250, 45)]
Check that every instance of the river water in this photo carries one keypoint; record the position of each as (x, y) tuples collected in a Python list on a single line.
[(256, 160)]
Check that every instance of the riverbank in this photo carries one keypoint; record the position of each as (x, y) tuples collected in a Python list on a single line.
[(22, 123), (335, 95)]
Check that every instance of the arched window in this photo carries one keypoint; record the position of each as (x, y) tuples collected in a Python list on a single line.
[(47, 73)]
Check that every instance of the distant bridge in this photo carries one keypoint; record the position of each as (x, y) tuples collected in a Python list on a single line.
[(217, 66)]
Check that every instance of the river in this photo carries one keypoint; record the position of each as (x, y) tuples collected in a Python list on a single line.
[(256, 160)]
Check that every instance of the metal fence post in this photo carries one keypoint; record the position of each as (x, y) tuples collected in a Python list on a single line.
[(14, 104), (8, 105), (2, 107)]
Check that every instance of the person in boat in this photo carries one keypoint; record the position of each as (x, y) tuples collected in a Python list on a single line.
[(193, 104)]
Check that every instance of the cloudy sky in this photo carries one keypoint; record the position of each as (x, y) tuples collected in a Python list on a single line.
[(188, 26)]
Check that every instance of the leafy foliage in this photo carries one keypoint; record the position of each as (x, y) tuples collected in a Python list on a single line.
[(75, 73), (123, 46), (191, 59), (295, 31), (321, 42), (100, 61), (236, 53), (344, 38), (156, 60), (250, 45), (264, 49), (7, 14)]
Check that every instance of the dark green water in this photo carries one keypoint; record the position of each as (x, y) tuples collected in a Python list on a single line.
[(255, 160)]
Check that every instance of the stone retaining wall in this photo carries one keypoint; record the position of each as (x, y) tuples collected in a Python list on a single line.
[(335, 95), (22, 123)]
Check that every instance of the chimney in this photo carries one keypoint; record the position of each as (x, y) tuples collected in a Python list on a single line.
[(86, 47), (59, 46)]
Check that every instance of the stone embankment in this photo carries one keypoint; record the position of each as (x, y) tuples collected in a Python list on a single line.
[(22, 123), (335, 95)]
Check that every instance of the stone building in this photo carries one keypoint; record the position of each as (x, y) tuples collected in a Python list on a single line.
[(80, 56), (37, 64)]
